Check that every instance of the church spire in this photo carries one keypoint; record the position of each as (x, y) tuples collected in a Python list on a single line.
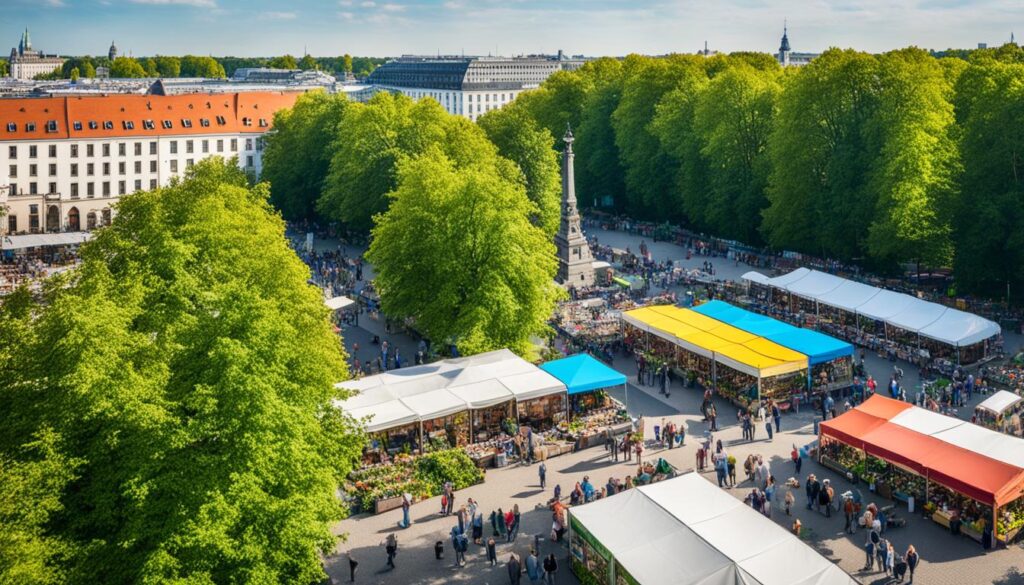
[(785, 37)]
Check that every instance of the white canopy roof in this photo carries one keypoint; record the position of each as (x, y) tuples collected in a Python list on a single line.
[(959, 328), (814, 284), (532, 385), (960, 433), (339, 303), (755, 276), (686, 530), (849, 295), (430, 391), (925, 318), (917, 315), (40, 240), (1000, 402)]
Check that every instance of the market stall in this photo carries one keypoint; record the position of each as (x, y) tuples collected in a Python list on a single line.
[(592, 412), (1000, 412), (831, 360), (744, 367), (973, 477), (686, 530)]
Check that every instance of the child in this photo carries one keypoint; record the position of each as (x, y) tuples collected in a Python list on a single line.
[(789, 501), (492, 554)]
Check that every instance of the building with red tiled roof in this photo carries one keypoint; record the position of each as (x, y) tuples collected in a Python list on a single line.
[(66, 160)]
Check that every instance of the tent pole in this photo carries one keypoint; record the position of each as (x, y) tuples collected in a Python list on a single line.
[(422, 444)]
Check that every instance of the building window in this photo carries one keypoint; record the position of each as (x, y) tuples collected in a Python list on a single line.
[(221, 121), (263, 123), (138, 184), (106, 188), (108, 125), (167, 124), (122, 187), (74, 151), (13, 171), (93, 125), (53, 170), (32, 170), (248, 161), (128, 125), (152, 184), (206, 146), (220, 146), (189, 147), (106, 169), (12, 224), (122, 149), (33, 189), (14, 188), (148, 125), (106, 150), (74, 169), (32, 151), (174, 166), (12, 127), (90, 189), (90, 220), (12, 152), (174, 147), (186, 123), (90, 150), (74, 190), (189, 163), (33, 218), (138, 149), (51, 126), (248, 143), (53, 151), (138, 167), (152, 166), (204, 122), (53, 188), (30, 127), (234, 145), (121, 168), (152, 147)]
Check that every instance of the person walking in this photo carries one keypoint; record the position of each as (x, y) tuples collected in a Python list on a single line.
[(514, 531), (501, 523), (768, 427), (797, 459), (515, 569), (777, 417), (713, 415), (551, 568), (825, 498), (353, 564), (912, 559), (406, 504), (391, 548), (542, 472), (492, 552), (533, 567), (811, 487), (790, 500), (849, 511), (869, 550)]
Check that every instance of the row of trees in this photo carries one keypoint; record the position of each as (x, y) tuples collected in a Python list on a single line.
[(462, 215), (199, 66), (167, 408), (879, 159)]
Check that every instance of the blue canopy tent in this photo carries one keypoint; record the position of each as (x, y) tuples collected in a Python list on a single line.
[(818, 347), (583, 373)]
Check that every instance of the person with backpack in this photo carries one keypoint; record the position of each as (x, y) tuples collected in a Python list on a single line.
[(550, 569), (391, 548)]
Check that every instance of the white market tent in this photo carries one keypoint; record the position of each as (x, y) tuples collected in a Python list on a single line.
[(339, 303), (686, 530), (422, 393), (927, 319), (42, 240), (1000, 402)]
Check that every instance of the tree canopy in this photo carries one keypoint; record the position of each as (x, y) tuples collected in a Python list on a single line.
[(169, 420), (126, 67), (457, 252)]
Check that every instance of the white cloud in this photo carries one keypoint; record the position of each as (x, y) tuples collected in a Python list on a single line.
[(346, 16), (55, 3), (453, 5), (278, 16), (345, 3), (368, 4), (392, 8), (196, 3)]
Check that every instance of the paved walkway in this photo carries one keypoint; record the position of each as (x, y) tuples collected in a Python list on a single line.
[(945, 559)]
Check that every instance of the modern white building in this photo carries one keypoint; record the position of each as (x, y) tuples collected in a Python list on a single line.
[(24, 63), (468, 86), (66, 160)]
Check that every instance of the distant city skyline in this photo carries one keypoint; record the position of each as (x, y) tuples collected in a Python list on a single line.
[(508, 27)]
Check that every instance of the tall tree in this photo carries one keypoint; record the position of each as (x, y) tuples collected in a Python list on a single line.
[(346, 63), (193, 66), (483, 275), (284, 62), (377, 136), (149, 65), (308, 63), (168, 66), (520, 139), (190, 368), (126, 67), (297, 154)]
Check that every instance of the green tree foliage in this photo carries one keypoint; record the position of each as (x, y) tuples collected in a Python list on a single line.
[(284, 62), (168, 66), (733, 120), (520, 139), (193, 66), (308, 63), (125, 68), (989, 219), (377, 136), (346, 63), (487, 271), (822, 150), (83, 64), (149, 65), (295, 158), (4, 68), (57, 73), (187, 369), (74, 74), (600, 173)]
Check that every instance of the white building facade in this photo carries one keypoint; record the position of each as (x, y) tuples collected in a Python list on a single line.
[(25, 63), (65, 161), (467, 86)]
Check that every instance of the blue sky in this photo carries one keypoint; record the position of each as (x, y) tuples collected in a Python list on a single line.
[(592, 27)]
